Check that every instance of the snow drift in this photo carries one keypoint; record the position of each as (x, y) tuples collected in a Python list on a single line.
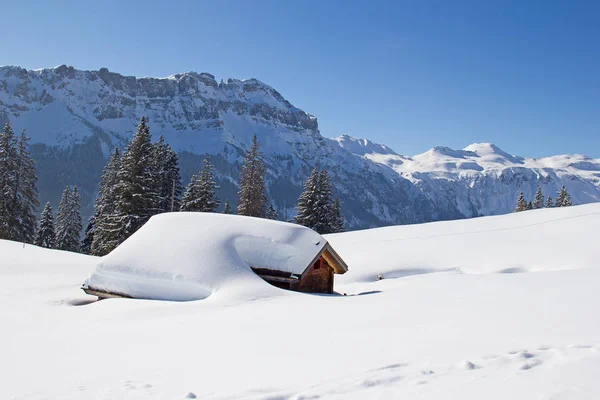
[(189, 256)]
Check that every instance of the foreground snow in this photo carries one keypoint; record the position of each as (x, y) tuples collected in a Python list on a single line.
[(511, 312)]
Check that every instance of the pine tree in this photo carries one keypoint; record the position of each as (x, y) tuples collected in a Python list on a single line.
[(200, 194), (316, 208), (530, 205), (325, 223), (272, 212), (563, 199), (253, 191), (166, 176), (338, 219), (26, 193), (549, 202), (539, 198), (227, 208), (308, 202), (136, 193), (521, 203), (68, 220), (45, 236), (8, 177), (106, 230), (88, 239)]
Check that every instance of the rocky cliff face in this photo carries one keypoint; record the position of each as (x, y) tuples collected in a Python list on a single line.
[(75, 117)]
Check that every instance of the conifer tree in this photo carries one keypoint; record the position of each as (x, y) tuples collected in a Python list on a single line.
[(18, 188), (227, 208), (88, 239), (45, 236), (106, 229), (563, 199), (325, 220), (200, 194), (8, 177), (539, 198), (167, 176), (316, 208), (272, 212), (25, 192), (549, 202), (530, 205), (253, 191), (307, 214), (68, 220), (136, 193), (521, 203), (338, 219)]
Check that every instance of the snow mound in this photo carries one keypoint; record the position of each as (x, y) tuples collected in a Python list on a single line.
[(190, 256)]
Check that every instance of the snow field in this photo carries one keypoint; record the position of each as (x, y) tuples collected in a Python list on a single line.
[(465, 332)]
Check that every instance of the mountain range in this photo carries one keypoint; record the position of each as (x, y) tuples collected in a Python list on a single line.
[(76, 117)]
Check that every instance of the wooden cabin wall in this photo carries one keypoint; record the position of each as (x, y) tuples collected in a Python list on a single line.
[(319, 279)]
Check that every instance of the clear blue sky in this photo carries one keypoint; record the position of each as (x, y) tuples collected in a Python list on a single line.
[(524, 75)]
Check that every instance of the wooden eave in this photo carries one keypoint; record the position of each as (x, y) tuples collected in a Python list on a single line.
[(104, 294)]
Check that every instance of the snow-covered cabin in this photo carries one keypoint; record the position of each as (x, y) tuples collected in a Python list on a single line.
[(189, 256)]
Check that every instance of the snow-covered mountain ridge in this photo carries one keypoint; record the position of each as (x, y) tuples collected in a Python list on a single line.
[(75, 117), (483, 179)]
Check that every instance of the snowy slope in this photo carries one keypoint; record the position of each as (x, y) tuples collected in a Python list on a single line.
[(482, 179), (513, 316)]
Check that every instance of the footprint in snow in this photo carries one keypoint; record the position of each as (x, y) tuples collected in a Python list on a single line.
[(467, 365)]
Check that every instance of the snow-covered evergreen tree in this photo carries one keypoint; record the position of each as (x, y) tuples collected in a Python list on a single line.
[(68, 220), (88, 239), (325, 219), (549, 202), (227, 208), (338, 219), (521, 203), (200, 193), (105, 234), (8, 177), (307, 213), (45, 236), (272, 212), (530, 205), (253, 190), (316, 205), (167, 176), (18, 188), (136, 193), (26, 193), (563, 199), (539, 198)]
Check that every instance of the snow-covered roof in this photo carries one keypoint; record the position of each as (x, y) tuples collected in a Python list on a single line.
[(188, 255)]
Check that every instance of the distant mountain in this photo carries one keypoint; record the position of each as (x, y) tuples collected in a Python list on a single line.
[(76, 117), (482, 179)]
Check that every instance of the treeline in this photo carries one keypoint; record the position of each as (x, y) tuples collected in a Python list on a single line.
[(563, 199), (142, 182)]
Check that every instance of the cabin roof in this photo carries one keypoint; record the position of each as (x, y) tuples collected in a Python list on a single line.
[(191, 254)]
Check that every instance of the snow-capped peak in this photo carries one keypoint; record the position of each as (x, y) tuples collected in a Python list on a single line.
[(493, 153), (362, 146)]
